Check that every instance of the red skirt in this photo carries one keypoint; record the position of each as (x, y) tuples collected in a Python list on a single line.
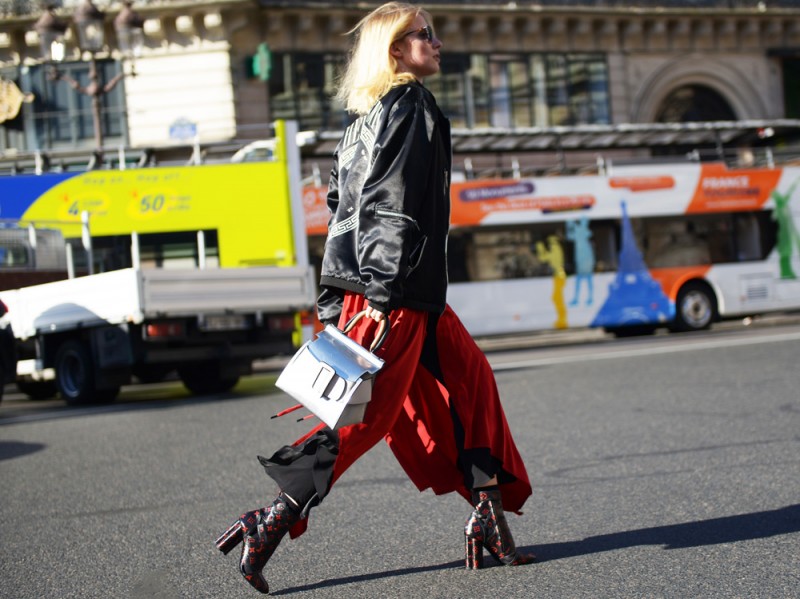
[(436, 423)]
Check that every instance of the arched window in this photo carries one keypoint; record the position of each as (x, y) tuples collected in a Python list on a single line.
[(694, 103)]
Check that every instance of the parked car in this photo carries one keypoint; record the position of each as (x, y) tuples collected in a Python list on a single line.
[(8, 360)]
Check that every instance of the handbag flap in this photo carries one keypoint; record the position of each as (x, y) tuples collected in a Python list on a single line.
[(332, 376), (345, 356)]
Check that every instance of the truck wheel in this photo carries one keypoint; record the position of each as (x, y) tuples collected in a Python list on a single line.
[(38, 389), (76, 377), (204, 378), (695, 308)]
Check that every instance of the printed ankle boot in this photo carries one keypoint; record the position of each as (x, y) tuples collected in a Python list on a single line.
[(487, 527), (262, 531)]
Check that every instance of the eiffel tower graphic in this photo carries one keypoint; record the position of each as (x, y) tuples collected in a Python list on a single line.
[(634, 297)]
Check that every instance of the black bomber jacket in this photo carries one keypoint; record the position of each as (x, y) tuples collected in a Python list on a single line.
[(389, 197)]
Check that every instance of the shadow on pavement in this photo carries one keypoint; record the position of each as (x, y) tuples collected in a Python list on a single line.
[(730, 529), (364, 577), (16, 449)]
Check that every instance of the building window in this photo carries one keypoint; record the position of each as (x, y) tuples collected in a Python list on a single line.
[(791, 87), (535, 90), (452, 86), (61, 117), (473, 90), (302, 86), (692, 103)]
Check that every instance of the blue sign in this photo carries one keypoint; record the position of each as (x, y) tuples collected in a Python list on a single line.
[(183, 129)]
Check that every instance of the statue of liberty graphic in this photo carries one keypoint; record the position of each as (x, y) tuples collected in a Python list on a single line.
[(579, 233), (554, 256), (634, 297), (787, 230)]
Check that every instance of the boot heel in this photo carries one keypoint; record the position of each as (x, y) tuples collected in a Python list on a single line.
[(230, 538), (235, 533), (473, 552)]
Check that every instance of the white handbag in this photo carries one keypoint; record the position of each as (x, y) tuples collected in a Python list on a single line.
[(332, 375)]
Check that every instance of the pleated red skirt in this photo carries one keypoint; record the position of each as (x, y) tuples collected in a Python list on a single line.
[(435, 423)]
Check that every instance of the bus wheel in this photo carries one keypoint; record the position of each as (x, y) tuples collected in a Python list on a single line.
[(76, 376), (204, 378), (38, 389), (695, 309)]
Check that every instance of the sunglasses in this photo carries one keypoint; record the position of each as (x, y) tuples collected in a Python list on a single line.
[(423, 33)]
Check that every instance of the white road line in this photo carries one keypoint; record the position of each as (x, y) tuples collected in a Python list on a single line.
[(611, 354)]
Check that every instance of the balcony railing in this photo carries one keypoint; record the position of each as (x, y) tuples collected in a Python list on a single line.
[(27, 7), (715, 4), (600, 4)]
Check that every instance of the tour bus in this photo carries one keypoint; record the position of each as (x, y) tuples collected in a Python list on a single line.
[(210, 215), (674, 244)]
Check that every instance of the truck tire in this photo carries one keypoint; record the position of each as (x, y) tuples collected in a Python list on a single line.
[(38, 390), (695, 308), (204, 378), (76, 377)]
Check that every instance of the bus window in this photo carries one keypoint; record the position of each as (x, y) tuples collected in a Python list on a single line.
[(458, 243), (754, 235), (674, 241), (720, 239), (156, 250), (510, 252), (177, 250), (747, 237), (15, 256), (16, 250), (505, 252), (604, 242), (707, 239)]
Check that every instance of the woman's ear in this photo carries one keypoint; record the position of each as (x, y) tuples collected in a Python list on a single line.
[(395, 51)]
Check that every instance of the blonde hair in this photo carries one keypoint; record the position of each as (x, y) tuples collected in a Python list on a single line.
[(371, 70)]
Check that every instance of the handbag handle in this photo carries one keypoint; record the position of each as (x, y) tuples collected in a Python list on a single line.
[(380, 336)]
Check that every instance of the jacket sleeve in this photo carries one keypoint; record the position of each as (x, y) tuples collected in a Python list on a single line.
[(390, 201)]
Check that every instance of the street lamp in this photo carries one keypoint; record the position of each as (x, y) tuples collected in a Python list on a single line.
[(130, 31), (51, 32), (90, 23), (91, 30)]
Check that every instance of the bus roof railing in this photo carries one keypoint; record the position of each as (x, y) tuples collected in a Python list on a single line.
[(555, 141), (625, 135), (598, 137), (604, 163)]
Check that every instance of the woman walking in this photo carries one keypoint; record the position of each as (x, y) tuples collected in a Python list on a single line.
[(435, 401)]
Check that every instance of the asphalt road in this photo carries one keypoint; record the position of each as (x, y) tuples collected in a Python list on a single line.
[(662, 467)]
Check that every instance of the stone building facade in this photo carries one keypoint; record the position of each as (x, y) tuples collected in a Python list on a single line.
[(221, 71)]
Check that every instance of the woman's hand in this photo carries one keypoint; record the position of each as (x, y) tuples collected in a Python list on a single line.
[(374, 314)]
